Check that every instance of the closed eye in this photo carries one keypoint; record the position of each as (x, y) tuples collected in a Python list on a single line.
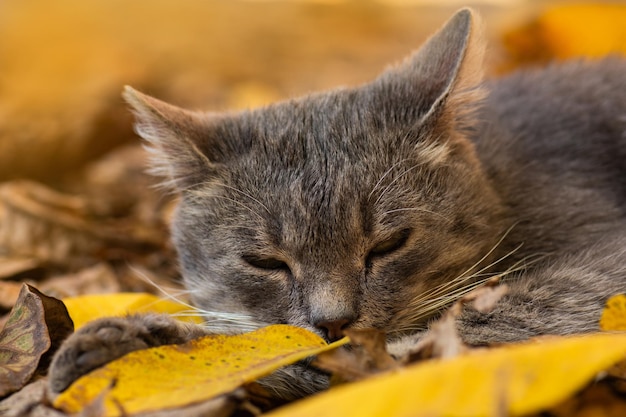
[(268, 264), (390, 245)]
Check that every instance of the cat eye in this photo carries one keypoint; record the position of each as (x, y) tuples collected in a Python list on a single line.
[(265, 263), (390, 245)]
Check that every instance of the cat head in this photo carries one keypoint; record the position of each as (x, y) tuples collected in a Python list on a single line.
[(362, 207)]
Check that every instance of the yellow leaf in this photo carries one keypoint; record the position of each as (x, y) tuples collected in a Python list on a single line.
[(86, 308), (177, 375), (614, 314), (513, 381), (592, 30)]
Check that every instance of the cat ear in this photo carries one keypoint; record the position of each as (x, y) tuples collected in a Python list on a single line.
[(442, 78), (177, 140)]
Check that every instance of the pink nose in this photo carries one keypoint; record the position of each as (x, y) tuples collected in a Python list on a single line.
[(333, 329)]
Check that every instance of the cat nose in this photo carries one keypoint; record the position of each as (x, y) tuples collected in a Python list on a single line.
[(333, 329)]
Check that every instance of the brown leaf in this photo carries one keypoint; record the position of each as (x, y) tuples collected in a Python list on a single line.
[(40, 223), (372, 343), (9, 291), (26, 344), (442, 340), (367, 355), (30, 401), (600, 399), (485, 298), (222, 406), (97, 279), (15, 268)]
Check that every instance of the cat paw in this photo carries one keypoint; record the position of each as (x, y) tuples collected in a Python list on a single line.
[(107, 339)]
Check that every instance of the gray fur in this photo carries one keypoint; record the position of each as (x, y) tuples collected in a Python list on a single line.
[(379, 205)]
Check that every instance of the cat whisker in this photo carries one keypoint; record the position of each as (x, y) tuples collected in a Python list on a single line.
[(228, 323), (213, 321), (169, 293), (435, 299), (495, 246), (464, 277), (456, 282), (434, 304)]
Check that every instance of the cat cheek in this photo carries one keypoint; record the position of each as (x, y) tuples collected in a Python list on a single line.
[(265, 295)]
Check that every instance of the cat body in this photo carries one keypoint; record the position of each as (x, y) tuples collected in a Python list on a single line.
[(380, 205)]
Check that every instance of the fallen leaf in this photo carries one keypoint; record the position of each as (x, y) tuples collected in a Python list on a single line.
[(372, 342), (41, 223), (9, 292), (367, 356), (568, 31), (592, 30), (598, 400), (614, 314), (529, 377), (485, 297), (30, 401), (27, 342), (177, 375), (85, 308), (16, 268), (97, 279), (613, 319), (442, 339)]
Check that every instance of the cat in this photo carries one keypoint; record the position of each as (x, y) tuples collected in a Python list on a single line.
[(377, 206)]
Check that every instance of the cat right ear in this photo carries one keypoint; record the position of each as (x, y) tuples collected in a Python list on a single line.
[(177, 140), (442, 80)]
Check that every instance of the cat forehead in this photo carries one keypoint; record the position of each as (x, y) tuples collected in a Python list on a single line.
[(339, 130), (325, 116)]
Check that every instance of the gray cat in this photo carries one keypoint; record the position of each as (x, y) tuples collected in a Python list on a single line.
[(380, 205)]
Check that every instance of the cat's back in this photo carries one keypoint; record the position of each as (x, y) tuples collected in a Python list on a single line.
[(553, 141), (567, 120), (575, 109)]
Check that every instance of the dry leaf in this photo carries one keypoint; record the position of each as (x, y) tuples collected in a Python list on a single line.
[(222, 406), (36, 326), (442, 339), (592, 30), (40, 223), (9, 292), (614, 319), (614, 314), (16, 268), (598, 400), (366, 356), (485, 297), (569, 31), (97, 279), (30, 401), (178, 375), (519, 379)]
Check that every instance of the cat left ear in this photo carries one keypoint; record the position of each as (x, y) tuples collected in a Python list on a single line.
[(177, 140), (442, 78)]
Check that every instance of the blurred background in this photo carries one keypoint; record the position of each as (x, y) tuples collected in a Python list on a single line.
[(73, 196), (63, 63)]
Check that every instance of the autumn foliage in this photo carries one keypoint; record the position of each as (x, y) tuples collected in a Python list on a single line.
[(81, 221)]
